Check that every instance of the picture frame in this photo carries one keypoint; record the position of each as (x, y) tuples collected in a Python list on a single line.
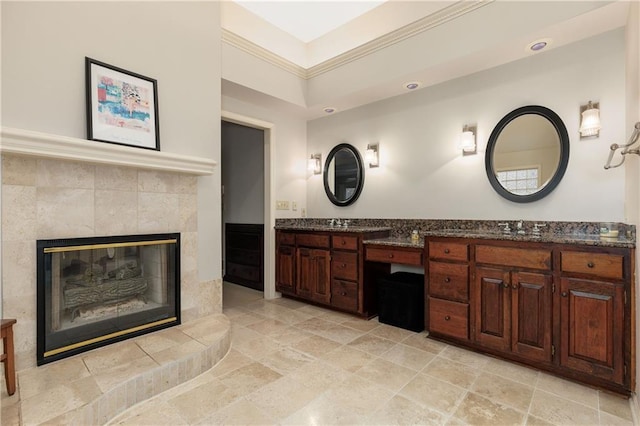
[(122, 106)]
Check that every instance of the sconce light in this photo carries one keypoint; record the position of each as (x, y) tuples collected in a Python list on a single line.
[(590, 120), (371, 155), (314, 164), (467, 140)]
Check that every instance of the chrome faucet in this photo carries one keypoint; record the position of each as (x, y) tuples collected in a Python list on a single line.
[(520, 227), (506, 230), (536, 229)]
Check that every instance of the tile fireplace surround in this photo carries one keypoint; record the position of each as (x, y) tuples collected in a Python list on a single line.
[(61, 187)]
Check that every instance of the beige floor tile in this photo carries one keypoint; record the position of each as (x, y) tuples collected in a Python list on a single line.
[(232, 361), (389, 332), (201, 402), (237, 295), (111, 356), (159, 414), (286, 360), (257, 348), (420, 341), (316, 346), (10, 414), (324, 411), (320, 376), (464, 356), (288, 303), (477, 410), (433, 393), (240, 333), (109, 379), (387, 374), (512, 371), (557, 410), (409, 357), (348, 358), (504, 391), (615, 405), (611, 420), (572, 391), (535, 421), (292, 317), (372, 344), (268, 326), (340, 334), (283, 397), (401, 411), (178, 352), (290, 336), (241, 412), (312, 310), (452, 372), (39, 379), (248, 318), (359, 395), (156, 342), (360, 324), (313, 325), (335, 316), (249, 378)]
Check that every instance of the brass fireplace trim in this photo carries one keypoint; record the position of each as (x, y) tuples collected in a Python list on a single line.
[(109, 245), (108, 336)]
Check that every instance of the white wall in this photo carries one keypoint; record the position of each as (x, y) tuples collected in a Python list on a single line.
[(424, 175), (43, 49), (242, 174)]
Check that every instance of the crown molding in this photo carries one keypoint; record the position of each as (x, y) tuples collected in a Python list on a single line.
[(46, 145), (443, 16)]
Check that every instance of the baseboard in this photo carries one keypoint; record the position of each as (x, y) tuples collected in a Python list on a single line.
[(634, 401)]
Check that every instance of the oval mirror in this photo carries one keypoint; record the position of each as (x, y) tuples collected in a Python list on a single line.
[(343, 175), (527, 154)]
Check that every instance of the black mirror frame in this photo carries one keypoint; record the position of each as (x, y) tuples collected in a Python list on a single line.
[(557, 123), (360, 176)]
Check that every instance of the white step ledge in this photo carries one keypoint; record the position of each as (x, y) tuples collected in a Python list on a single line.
[(46, 145)]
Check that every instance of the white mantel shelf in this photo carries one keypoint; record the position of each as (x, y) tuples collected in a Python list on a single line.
[(28, 142)]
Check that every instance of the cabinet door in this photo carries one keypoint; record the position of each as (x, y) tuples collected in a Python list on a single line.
[(313, 274), (592, 327), (531, 315), (492, 295), (285, 267)]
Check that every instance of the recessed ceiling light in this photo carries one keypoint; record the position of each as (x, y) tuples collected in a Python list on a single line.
[(412, 85), (329, 110), (538, 45)]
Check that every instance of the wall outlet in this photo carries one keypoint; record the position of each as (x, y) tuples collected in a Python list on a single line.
[(282, 205), (294, 206)]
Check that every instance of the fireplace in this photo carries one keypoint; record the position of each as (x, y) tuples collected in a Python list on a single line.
[(99, 290)]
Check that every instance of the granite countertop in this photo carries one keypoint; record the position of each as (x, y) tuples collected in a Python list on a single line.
[(397, 242), (327, 228)]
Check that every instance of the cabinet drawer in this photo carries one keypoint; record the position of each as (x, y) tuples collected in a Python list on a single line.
[(448, 250), (511, 256), (598, 264), (344, 265), (449, 318), (449, 280), (344, 295), (344, 242), (286, 238), (311, 240), (390, 255)]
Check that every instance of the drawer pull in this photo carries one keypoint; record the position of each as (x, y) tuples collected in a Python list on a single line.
[(343, 242), (446, 251), (591, 264), (447, 318), (447, 280), (564, 294), (343, 293)]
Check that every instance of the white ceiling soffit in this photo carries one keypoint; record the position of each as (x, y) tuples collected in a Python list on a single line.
[(385, 25)]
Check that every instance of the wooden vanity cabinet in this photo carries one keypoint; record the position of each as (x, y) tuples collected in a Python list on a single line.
[(558, 307), (327, 268)]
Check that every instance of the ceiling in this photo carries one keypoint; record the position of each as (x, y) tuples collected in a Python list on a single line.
[(398, 41)]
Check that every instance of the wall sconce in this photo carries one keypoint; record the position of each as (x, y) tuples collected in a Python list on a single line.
[(372, 155), (314, 164), (590, 120), (467, 140)]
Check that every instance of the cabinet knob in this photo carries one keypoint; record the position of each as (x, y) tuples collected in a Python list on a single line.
[(447, 318), (344, 293), (446, 280), (391, 256), (514, 286), (446, 251), (343, 242), (344, 265), (505, 285), (591, 264), (564, 294)]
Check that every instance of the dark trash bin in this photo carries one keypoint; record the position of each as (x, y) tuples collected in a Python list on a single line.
[(401, 300)]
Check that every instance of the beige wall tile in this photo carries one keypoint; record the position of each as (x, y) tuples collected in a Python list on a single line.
[(64, 174), (158, 181), (187, 184), (116, 212), (116, 178), (64, 212), (188, 212), (18, 170), (158, 212), (19, 218), (18, 269)]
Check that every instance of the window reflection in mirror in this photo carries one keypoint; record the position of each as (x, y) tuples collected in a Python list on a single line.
[(527, 154), (343, 175)]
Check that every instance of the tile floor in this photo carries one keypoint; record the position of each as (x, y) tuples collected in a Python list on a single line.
[(296, 364)]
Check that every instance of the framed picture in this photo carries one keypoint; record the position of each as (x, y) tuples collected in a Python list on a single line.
[(122, 106)]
